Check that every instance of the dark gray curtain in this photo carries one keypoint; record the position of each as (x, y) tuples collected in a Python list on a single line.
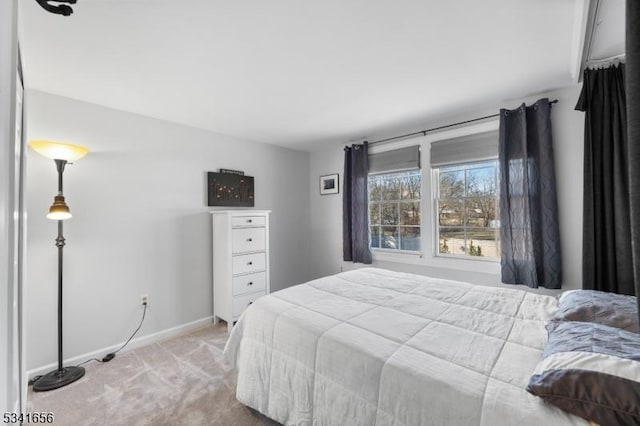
[(355, 205), (530, 241), (633, 126), (606, 246)]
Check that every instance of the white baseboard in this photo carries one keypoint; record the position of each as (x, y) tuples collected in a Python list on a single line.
[(133, 344)]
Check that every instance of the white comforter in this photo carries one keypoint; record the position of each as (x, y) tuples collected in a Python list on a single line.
[(375, 347)]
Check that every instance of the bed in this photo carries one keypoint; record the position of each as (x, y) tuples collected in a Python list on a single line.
[(375, 347)]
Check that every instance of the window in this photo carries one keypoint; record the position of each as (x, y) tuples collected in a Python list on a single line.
[(467, 209), (394, 210)]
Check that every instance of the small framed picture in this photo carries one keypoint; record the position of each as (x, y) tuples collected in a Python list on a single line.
[(329, 184)]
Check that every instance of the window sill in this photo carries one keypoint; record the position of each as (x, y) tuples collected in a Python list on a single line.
[(467, 258), (491, 266), (396, 252)]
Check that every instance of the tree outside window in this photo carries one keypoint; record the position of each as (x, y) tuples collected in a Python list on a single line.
[(467, 210), (394, 210)]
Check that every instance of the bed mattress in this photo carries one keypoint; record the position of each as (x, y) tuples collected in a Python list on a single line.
[(375, 347)]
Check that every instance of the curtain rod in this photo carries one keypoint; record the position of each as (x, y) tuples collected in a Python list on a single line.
[(618, 57), (433, 129)]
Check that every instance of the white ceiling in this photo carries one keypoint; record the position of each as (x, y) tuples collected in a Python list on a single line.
[(299, 73)]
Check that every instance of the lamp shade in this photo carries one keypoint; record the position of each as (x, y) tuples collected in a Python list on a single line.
[(59, 150), (59, 210)]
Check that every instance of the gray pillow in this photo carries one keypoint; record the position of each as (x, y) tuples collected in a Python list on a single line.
[(592, 371), (615, 310)]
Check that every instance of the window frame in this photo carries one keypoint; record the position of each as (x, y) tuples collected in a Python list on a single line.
[(427, 257), (397, 202), (435, 198)]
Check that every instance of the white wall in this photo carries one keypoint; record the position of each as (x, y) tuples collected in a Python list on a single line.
[(141, 224), (10, 160), (326, 210)]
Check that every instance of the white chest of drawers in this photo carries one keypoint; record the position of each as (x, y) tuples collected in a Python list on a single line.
[(240, 261)]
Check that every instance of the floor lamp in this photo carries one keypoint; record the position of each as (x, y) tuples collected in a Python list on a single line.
[(61, 154)]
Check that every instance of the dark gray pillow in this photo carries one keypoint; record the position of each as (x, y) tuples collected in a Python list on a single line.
[(615, 310), (592, 371)]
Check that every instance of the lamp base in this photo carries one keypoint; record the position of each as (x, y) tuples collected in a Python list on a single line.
[(58, 378)]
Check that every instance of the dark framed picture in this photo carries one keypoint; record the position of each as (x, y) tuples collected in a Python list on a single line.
[(329, 184), (229, 190)]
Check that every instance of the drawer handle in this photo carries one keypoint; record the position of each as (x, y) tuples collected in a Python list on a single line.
[(250, 283), (249, 263), (249, 240), (249, 220)]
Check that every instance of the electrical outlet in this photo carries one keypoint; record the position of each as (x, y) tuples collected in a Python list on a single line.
[(144, 299)]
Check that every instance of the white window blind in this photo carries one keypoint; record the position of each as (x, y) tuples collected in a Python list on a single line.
[(396, 160), (465, 149)]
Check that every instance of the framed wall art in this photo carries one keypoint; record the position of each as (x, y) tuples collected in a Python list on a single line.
[(230, 190), (329, 184)]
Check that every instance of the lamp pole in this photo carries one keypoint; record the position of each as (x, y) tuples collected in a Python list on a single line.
[(60, 244)]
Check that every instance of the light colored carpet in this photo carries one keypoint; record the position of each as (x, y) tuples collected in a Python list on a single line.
[(180, 381)]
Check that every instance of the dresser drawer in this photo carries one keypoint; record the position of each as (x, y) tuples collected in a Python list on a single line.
[(241, 303), (249, 283), (237, 221), (248, 239), (247, 263)]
